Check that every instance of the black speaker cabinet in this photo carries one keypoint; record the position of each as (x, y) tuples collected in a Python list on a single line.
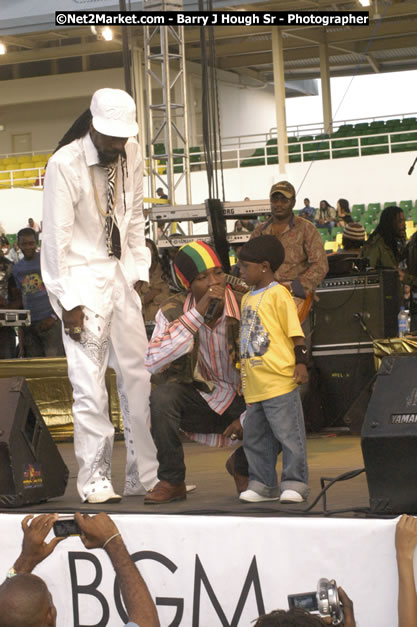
[(354, 308), (389, 437), (31, 468), (343, 373)]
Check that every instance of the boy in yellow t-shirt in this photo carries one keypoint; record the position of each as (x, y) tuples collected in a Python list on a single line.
[(273, 363)]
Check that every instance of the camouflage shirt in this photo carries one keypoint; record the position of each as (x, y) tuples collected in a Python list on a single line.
[(305, 257)]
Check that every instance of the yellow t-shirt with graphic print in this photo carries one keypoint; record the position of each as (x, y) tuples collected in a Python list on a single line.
[(269, 320)]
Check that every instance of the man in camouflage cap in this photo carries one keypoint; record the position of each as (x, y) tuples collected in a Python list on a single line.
[(305, 263)]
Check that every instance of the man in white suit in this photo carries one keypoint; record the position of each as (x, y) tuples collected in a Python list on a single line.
[(93, 257)]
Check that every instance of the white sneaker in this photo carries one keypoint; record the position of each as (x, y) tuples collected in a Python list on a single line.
[(250, 496), (291, 496), (190, 487)]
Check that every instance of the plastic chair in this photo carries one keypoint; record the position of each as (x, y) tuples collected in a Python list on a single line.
[(406, 206), (4, 180), (377, 126), (362, 128)]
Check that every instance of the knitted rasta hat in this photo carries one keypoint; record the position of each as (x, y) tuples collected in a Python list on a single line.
[(354, 231), (192, 259), (263, 248)]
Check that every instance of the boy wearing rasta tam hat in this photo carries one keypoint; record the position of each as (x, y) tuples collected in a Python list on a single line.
[(193, 356), (273, 363)]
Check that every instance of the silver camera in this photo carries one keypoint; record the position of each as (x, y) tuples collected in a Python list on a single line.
[(325, 601)]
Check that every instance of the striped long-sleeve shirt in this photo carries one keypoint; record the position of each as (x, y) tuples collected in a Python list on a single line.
[(171, 340)]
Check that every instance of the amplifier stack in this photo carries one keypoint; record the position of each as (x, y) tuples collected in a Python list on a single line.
[(351, 311)]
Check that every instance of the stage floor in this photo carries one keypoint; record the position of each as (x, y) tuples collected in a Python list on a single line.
[(329, 455)]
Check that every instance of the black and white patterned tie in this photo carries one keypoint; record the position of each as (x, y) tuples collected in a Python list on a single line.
[(112, 230)]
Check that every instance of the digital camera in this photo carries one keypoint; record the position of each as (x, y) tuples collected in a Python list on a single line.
[(66, 526), (325, 601)]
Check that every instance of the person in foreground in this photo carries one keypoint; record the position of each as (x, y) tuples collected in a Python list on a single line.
[(25, 600), (193, 357), (297, 617), (94, 258), (405, 544), (273, 363)]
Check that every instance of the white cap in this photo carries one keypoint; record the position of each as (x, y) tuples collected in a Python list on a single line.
[(114, 113)]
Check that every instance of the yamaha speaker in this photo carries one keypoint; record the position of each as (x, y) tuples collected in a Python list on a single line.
[(31, 468), (389, 437), (356, 308)]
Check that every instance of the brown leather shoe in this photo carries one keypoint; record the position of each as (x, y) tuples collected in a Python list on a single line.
[(165, 492), (241, 481)]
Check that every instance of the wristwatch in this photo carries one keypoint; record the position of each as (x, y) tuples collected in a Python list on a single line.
[(11, 573)]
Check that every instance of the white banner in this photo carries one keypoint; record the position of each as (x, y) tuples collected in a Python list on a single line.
[(209, 571)]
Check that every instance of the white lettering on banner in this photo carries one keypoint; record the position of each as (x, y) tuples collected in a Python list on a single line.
[(209, 571)]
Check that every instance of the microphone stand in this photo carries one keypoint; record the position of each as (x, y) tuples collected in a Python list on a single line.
[(360, 318)]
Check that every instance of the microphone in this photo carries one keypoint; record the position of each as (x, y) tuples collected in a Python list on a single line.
[(209, 315), (359, 316), (410, 171)]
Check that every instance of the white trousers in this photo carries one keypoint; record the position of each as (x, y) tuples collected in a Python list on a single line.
[(120, 341)]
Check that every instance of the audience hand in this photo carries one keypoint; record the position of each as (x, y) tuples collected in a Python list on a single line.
[(347, 608), (406, 537), (405, 542), (95, 529), (34, 547)]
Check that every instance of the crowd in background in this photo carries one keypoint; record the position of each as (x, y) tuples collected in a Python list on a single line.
[(21, 284)]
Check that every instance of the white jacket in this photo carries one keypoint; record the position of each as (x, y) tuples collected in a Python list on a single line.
[(76, 268)]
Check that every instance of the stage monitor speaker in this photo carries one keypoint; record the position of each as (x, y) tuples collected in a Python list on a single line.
[(389, 437), (31, 468), (343, 373), (356, 308)]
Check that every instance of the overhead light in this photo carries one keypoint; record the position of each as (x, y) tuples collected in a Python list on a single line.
[(365, 3), (107, 34), (3, 48), (93, 30)]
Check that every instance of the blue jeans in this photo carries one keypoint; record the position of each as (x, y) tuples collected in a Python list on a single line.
[(270, 427)]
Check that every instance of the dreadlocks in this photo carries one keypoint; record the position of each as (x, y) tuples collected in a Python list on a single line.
[(386, 230), (77, 130)]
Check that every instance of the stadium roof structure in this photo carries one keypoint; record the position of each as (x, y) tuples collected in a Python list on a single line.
[(35, 46)]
